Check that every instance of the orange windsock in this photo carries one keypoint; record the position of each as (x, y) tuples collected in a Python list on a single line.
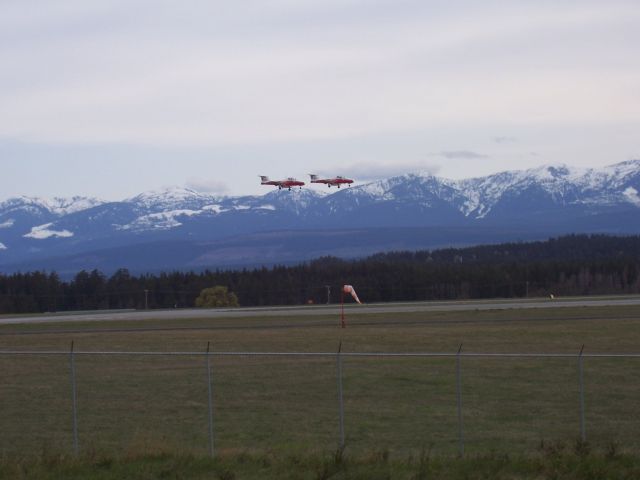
[(352, 291)]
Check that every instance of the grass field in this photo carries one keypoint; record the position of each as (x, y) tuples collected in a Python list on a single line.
[(270, 405), (552, 462)]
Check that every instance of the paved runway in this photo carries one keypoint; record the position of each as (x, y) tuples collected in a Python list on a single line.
[(315, 310)]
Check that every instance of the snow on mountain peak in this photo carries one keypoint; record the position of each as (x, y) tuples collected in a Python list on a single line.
[(159, 221), (378, 188), (66, 206), (167, 194), (24, 203), (172, 198), (296, 197), (172, 192), (57, 205), (561, 182), (621, 170)]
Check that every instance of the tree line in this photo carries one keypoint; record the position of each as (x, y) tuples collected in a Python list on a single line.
[(569, 265)]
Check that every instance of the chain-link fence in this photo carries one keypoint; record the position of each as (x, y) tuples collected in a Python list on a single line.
[(209, 402)]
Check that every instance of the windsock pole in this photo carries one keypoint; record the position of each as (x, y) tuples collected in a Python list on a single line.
[(347, 289), (342, 323)]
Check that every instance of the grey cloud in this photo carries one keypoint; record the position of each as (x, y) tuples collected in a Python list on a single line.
[(505, 139), (462, 155), (368, 171), (203, 73), (207, 186)]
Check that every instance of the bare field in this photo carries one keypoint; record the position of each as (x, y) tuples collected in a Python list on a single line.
[(135, 403)]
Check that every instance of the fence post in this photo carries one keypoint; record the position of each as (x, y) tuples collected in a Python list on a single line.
[(74, 400), (340, 398), (459, 394), (583, 431), (210, 398)]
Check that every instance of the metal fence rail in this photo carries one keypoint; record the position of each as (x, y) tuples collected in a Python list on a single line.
[(209, 357), (313, 354)]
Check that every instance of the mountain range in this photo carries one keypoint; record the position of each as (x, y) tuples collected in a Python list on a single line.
[(178, 228)]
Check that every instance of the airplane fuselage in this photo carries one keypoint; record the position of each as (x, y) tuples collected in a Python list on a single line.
[(336, 181), (287, 183)]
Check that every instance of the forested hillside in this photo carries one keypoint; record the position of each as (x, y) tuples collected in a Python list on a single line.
[(570, 265)]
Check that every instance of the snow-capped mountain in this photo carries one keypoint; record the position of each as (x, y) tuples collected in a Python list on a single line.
[(56, 206), (538, 202), (559, 185)]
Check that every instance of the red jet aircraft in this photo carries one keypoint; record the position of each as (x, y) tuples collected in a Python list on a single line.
[(288, 183), (336, 181)]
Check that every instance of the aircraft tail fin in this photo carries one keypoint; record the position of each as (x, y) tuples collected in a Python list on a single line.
[(313, 176), (264, 178)]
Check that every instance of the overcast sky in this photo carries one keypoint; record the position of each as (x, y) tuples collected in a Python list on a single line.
[(109, 98)]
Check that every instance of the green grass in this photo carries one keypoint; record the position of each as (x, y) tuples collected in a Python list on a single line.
[(549, 462), (271, 404)]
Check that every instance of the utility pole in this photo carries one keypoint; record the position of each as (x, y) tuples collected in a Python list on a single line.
[(146, 299), (328, 287)]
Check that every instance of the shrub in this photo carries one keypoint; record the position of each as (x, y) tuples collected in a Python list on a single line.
[(215, 297)]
